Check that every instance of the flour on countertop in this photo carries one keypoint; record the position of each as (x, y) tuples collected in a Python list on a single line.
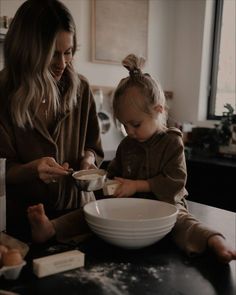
[(115, 278)]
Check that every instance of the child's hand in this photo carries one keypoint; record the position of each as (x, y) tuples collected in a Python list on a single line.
[(126, 188)]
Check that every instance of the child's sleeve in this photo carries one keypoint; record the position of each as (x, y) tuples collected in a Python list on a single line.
[(169, 184)]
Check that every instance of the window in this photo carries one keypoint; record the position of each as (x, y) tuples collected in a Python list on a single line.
[(222, 82)]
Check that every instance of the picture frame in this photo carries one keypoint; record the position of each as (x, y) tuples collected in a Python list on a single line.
[(118, 29)]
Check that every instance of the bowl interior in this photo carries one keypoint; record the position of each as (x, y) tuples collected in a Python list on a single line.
[(89, 175), (89, 180), (129, 209)]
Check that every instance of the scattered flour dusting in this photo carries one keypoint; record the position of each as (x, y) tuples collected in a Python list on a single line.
[(155, 272), (52, 249), (115, 278)]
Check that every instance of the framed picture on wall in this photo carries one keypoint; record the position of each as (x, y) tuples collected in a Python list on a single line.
[(118, 29)]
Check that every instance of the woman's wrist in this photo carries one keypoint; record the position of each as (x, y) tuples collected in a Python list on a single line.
[(21, 172), (88, 161), (89, 155)]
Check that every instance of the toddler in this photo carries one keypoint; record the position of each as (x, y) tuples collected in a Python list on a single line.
[(149, 162)]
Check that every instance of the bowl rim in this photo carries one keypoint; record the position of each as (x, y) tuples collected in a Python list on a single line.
[(130, 220)]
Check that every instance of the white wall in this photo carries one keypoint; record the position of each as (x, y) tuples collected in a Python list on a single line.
[(192, 43), (187, 57), (175, 51), (160, 31)]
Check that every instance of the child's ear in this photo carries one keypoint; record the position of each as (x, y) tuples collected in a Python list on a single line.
[(158, 108)]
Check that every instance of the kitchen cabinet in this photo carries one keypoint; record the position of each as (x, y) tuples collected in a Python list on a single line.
[(211, 181)]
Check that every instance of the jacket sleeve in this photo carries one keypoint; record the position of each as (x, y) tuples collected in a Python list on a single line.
[(7, 143), (93, 138), (115, 166)]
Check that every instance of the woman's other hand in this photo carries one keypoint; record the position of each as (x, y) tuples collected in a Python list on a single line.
[(88, 161)]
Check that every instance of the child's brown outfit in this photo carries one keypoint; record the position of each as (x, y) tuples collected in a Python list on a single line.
[(161, 161)]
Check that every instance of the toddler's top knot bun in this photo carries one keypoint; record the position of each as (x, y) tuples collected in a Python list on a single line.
[(134, 65)]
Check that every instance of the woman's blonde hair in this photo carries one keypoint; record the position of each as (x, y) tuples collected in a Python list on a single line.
[(29, 46), (150, 89)]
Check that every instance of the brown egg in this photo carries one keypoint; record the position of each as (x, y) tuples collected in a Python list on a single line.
[(3, 249), (12, 257)]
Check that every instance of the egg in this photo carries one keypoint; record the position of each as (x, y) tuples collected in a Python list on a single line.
[(12, 257), (3, 249)]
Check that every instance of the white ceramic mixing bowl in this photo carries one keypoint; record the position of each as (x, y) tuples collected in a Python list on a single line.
[(130, 222)]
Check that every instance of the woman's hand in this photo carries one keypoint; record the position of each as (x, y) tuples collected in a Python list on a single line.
[(88, 161), (46, 168), (49, 170)]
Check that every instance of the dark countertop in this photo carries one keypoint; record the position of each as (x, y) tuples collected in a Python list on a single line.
[(158, 269)]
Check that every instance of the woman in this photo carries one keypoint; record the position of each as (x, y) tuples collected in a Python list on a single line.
[(48, 121)]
